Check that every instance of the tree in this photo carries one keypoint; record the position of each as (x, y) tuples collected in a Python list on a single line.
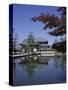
[(30, 39), (15, 42), (53, 21), (30, 42), (12, 40), (56, 24)]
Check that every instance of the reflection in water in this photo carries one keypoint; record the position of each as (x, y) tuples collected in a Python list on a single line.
[(29, 68), (60, 62), (39, 70)]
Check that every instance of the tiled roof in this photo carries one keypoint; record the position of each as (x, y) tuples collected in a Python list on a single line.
[(37, 39), (40, 39)]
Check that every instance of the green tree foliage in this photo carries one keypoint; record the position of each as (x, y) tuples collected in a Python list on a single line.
[(30, 42), (30, 39)]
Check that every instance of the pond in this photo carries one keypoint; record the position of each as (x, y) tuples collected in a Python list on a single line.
[(39, 70)]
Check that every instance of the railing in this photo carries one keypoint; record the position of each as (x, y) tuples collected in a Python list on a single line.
[(25, 54), (42, 53)]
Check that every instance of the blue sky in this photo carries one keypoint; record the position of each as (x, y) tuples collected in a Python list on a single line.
[(23, 24)]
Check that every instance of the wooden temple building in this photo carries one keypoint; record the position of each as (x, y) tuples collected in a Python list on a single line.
[(41, 45)]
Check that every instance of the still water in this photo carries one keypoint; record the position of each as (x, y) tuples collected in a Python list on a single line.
[(39, 70)]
